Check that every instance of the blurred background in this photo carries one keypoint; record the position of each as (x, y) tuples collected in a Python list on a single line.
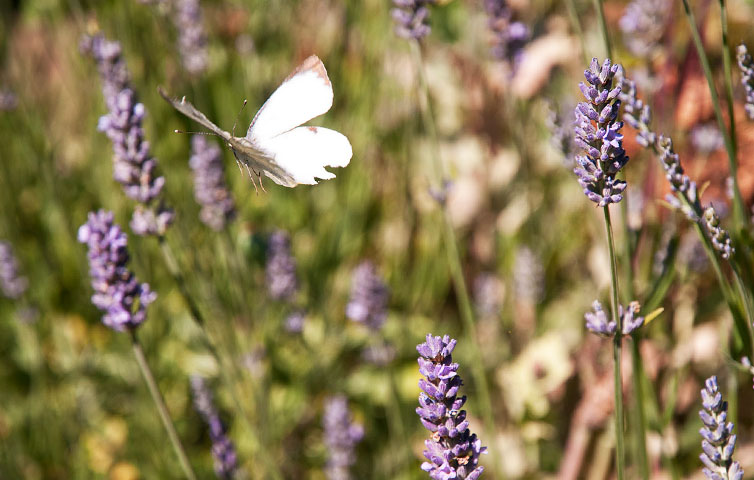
[(497, 159)]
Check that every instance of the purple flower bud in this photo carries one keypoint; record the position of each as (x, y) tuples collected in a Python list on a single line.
[(720, 237), (223, 451), (133, 166), (12, 283), (452, 451), (411, 18), (341, 437), (210, 189), (718, 441), (369, 297), (116, 291), (8, 100), (597, 320), (282, 282)]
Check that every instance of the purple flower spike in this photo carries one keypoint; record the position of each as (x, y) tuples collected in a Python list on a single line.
[(369, 297), (223, 451), (411, 18), (210, 189), (643, 25), (597, 320), (133, 166), (720, 237), (192, 40), (116, 291), (718, 441), (452, 451), (509, 36), (12, 283), (598, 134), (341, 437), (282, 282), (746, 65)]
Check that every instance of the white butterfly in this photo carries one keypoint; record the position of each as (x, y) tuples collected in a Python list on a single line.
[(276, 144)]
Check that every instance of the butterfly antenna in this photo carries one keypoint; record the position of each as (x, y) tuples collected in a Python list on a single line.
[(197, 133), (233, 132)]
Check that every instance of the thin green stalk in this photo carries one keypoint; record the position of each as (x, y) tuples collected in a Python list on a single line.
[(638, 413), (603, 27), (620, 454), (454, 263), (396, 425), (573, 17), (162, 409), (746, 300), (223, 366), (739, 209)]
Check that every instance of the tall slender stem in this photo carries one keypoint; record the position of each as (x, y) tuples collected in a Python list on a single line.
[(603, 27), (162, 409), (620, 455), (454, 263), (739, 209), (573, 17)]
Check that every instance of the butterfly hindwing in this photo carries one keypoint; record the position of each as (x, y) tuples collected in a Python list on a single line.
[(305, 94), (304, 152)]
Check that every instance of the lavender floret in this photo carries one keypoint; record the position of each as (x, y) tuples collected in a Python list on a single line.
[(509, 36), (643, 25), (223, 450), (341, 437), (282, 282), (411, 18), (598, 134), (369, 297), (8, 100), (116, 291), (133, 166), (718, 440), (192, 40), (598, 322), (706, 138), (528, 276), (210, 189), (452, 451), (635, 113), (746, 65), (12, 283)]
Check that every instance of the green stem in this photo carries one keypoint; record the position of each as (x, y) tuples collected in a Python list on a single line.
[(223, 366), (739, 209), (454, 263), (603, 28), (617, 344), (573, 17), (746, 300), (396, 424), (162, 409)]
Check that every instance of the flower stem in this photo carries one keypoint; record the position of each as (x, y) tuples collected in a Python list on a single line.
[(454, 263), (620, 455), (739, 209), (603, 27), (162, 409)]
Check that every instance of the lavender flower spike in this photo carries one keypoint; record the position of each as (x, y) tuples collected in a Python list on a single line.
[(452, 450), (746, 65), (598, 133), (192, 40), (223, 451), (210, 189), (369, 297), (643, 25), (720, 238), (280, 271), (133, 166), (597, 321), (718, 441), (510, 36), (411, 18), (12, 283), (341, 436), (116, 291)]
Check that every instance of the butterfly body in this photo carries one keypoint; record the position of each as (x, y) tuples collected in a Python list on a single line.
[(275, 143)]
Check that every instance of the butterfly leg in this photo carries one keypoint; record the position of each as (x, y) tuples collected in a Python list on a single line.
[(248, 171), (259, 177)]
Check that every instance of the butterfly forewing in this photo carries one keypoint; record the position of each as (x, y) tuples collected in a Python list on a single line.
[(191, 112), (305, 94)]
